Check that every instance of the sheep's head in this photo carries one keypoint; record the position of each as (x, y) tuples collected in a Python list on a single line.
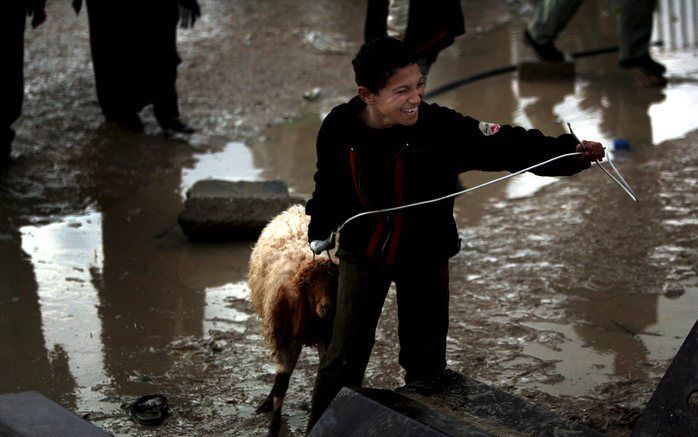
[(320, 287), (316, 284)]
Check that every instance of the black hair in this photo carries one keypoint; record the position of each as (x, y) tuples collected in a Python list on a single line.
[(379, 59)]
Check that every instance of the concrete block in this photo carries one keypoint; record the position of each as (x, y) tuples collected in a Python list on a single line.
[(383, 413), (464, 408), (30, 414), (218, 210), (497, 411), (541, 71), (673, 408)]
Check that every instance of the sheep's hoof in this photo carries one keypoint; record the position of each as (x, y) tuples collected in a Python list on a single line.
[(266, 406)]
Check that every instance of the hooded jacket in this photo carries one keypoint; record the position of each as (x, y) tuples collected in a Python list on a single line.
[(361, 169)]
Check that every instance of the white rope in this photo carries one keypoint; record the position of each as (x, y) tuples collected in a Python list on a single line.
[(425, 202), (623, 184)]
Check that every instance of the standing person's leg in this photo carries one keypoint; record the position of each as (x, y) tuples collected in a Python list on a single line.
[(634, 33), (360, 296), (422, 299), (11, 75), (551, 17), (112, 26), (164, 66)]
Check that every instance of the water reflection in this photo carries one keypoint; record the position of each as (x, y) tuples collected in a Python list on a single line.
[(64, 256), (672, 118), (93, 300), (582, 367), (220, 312), (145, 301), (287, 152), (234, 162), (26, 362)]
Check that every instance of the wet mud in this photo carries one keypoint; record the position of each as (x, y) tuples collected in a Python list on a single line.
[(565, 292)]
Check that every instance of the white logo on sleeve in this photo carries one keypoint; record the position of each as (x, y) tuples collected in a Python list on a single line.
[(488, 129)]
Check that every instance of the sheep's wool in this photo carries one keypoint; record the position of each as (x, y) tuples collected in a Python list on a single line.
[(281, 250)]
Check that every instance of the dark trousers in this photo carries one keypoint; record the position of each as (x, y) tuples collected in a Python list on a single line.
[(422, 300), (134, 55), (11, 74)]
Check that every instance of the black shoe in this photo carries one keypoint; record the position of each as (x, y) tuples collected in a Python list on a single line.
[(176, 125), (545, 52), (644, 63), (429, 385)]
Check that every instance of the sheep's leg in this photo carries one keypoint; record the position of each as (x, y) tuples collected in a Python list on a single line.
[(286, 364)]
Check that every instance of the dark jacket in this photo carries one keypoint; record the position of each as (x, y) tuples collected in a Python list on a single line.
[(361, 169), (431, 25)]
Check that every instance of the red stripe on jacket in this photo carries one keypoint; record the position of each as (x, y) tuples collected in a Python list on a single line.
[(373, 242)]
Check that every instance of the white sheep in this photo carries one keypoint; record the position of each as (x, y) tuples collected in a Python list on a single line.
[(294, 293)]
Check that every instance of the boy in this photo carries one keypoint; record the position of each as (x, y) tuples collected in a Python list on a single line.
[(383, 148)]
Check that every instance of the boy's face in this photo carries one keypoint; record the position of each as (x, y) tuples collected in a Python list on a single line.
[(397, 102)]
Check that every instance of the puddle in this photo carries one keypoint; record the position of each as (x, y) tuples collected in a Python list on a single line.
[(220, 312), (562, 286), (235, 162), (68, 259), (619, 335)]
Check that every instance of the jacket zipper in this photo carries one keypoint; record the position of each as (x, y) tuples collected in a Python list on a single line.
[(357, 177), (356, 173), (387, 237)]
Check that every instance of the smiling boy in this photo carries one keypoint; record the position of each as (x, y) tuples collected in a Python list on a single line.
[(387, 147)]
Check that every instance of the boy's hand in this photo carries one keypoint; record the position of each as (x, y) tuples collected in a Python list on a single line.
[(318, 246), (592, 150)]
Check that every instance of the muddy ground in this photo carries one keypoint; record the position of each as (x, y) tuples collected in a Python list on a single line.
[(565, 292)]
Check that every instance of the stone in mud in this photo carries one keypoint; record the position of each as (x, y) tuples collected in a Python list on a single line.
[(546, 70), (218, 210), (312, 95), (673, 291)]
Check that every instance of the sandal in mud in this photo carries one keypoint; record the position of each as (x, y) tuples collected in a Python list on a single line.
[(150, 410)]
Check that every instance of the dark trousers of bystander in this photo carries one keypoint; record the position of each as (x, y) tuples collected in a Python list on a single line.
[(11, 74), (422, 301), (134, 54)]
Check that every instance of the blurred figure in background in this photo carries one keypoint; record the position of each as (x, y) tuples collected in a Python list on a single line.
[(634, 33), (134, 53), (15, 13), (427, 27)]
